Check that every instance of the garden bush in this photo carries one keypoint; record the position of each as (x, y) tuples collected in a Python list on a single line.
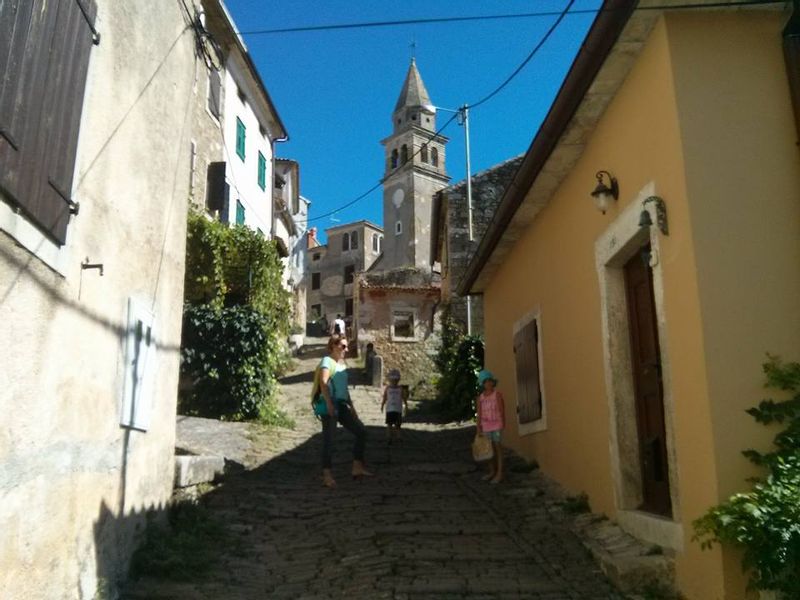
[(765, 522), (236, 321), (459, 360)]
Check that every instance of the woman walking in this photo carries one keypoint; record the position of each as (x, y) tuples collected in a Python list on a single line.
[(331, 401)]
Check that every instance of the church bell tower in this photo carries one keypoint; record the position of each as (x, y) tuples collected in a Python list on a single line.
[(415, 171)]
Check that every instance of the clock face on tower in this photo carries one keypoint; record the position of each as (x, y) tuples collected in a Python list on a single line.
[(397, 197)]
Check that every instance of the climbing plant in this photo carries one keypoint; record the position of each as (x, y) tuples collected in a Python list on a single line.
[(765, 522), (459, 359), (236, 321)]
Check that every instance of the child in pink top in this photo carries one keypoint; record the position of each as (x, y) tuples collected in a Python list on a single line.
[(491, 421)]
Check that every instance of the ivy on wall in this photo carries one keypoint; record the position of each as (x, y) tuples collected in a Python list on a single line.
[(765, 522), (236, 320)]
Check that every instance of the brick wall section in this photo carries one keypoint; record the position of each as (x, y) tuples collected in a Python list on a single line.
[(487, 190)]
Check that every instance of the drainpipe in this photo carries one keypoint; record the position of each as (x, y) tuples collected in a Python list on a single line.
[(791, 54)]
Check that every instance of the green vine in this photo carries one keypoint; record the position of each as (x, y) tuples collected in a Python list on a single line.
[(765, 522), (236, 321)]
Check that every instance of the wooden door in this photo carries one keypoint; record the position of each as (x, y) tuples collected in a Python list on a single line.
[(646, 359)]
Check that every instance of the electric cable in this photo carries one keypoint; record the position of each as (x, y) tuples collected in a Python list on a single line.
[(552, 13), (383, 179), (528, 58)]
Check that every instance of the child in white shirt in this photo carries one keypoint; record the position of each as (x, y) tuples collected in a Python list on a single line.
[(395, 399)]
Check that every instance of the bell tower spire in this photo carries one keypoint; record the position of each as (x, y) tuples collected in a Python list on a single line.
[(415, 171)]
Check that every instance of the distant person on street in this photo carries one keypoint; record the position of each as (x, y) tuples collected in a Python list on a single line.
[(394, 400), (339, 325), (331, 402), (491, 421)]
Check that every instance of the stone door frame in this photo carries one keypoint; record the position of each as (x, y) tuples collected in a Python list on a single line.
[(616, 245)]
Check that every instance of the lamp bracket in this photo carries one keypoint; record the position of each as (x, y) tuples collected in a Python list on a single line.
[(661, 212)]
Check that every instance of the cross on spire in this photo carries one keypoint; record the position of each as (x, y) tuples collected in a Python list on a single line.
[(413, 46)]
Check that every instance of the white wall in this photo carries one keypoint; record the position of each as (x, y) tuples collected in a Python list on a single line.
[(243, 174)]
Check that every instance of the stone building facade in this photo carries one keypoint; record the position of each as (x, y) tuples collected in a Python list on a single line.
[(333, 268), (451, 247)]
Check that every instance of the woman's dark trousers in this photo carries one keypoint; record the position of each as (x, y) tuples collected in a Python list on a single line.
[(349, 421)]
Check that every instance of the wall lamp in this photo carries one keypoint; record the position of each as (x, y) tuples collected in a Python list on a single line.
[(603, 194), (645, 221)]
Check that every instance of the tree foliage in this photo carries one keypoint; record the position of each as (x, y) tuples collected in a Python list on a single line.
[(236, 321), (765, 522)]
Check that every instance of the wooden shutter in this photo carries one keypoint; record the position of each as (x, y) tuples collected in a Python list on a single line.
[(44, 57), (214, 93), (526, 353)]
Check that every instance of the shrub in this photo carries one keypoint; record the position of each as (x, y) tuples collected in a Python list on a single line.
[(459, 360), (236, 321), (765, 522)]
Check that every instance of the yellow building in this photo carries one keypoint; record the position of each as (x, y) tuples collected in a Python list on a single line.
[(629, 353)]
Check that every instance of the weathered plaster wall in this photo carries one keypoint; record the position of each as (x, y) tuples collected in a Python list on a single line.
[(71, 480), (552, 269)]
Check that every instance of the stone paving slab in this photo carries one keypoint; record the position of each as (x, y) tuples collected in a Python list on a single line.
[(425, 527)]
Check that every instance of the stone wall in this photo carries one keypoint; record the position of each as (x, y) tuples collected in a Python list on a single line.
[(74, 484), (487, 191), (414, 359)]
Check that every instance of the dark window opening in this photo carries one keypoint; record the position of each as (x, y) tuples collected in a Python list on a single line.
[(315, 277), (348, 307), (349, 274), (434, 157), (404, 154), (394, 158), (423, 153)]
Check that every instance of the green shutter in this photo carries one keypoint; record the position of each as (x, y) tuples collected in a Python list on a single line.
[(239, 213), (262, 171), (240, 135)]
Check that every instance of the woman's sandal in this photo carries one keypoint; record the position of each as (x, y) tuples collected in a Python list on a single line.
[(330, 483)]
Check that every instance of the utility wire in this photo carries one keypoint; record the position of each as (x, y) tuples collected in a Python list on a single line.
[(552, 13), (383, 179), (528, 58), (486, 98)]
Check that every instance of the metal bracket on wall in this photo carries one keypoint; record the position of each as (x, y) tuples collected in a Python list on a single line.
[(87, 265)]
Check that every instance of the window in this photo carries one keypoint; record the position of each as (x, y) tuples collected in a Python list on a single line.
[(349, 272), (41, 98), (239, 213), (345, 242), (398, 228), (214, 93), (262, 171), (316, 311), (348, 307), (315, 256), (402, 325), (404, 154), (140, 349), (394, 158), (526, 356), (240, 136), (354, 240), (435, 157), (217, 190), (375, 242), (315, 281), (423, 153)]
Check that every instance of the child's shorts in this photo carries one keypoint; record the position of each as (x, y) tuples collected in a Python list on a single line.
[(494, 436), (394, 418)]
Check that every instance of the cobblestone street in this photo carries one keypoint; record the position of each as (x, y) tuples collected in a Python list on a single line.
[(425, 527)]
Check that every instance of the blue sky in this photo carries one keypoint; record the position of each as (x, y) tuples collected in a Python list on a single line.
[(335, 90)]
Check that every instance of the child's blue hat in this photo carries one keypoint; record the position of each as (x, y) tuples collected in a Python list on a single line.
[(484, 375)]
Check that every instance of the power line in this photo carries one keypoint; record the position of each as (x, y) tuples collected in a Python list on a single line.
[(528, 58), (552, 13), (383, 179), (486, 98)]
